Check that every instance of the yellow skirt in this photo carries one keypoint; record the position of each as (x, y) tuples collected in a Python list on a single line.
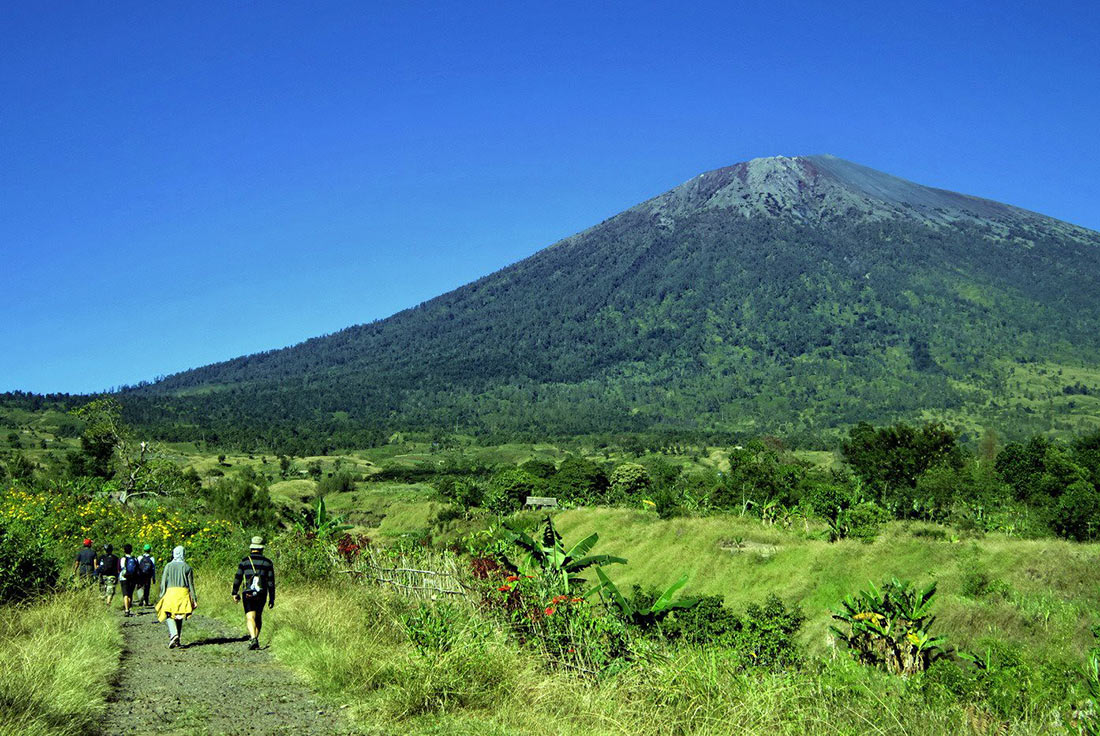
[(174, 601)]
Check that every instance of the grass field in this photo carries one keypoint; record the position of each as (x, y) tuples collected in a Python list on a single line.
[(56, 661), (1050, 602)]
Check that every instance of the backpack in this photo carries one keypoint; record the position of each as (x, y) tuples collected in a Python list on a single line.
[(131, 567), (145, 567), (253, 582)]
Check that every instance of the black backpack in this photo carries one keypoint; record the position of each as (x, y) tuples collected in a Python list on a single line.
[(145, 567)]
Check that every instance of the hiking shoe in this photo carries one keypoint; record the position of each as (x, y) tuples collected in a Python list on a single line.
[(173, 642), (253, 643)]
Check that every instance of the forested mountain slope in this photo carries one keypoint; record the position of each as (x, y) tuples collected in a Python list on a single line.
[(789, 295)]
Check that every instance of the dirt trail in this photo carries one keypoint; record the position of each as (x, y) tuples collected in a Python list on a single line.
[(212, 686)]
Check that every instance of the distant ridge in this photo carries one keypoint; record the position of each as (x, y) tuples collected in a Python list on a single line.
[(795, 295)]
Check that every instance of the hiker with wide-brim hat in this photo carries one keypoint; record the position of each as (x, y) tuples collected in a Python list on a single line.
[(177, 596), (255, 581)]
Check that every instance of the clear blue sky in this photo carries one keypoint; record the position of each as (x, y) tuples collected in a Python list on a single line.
[(182, 183)]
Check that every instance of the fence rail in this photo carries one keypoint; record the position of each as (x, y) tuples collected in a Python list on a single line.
[(414, 581)]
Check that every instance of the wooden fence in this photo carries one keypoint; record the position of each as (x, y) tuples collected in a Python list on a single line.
[(432, 577)]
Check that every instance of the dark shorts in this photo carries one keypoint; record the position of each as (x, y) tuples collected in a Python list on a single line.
[(255, 603), (128, 587)]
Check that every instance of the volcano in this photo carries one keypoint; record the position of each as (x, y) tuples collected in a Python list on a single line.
[(788, 295)]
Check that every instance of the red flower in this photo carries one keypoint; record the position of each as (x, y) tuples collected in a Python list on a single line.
[(577, 600), (548, 612), (504, 588), (512, 578)]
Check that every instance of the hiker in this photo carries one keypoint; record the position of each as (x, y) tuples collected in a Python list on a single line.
[(128, 575), (108, 573), (147, 572), (85, 564), (177, 596), (257, 575)]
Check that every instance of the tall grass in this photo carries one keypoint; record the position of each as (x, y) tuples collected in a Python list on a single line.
[(349, 642), (57, 658)]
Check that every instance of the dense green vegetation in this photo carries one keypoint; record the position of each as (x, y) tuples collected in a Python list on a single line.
[(672, 589)]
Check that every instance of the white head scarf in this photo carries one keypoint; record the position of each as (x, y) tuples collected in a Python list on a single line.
[(177, 554)]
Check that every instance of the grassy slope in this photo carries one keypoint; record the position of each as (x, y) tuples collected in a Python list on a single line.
[(1055, 585), (56, 662)]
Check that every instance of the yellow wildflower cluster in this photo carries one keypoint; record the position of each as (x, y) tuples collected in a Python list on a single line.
[(65, 518)]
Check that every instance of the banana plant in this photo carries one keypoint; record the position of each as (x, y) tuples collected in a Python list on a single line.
[(549, 557), (890, 628), (649, 615), (323, 525)]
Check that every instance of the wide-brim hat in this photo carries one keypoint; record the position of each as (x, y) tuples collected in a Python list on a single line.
[(257, 543)]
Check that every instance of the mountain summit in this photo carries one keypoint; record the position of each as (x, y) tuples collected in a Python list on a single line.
[(795, 295)]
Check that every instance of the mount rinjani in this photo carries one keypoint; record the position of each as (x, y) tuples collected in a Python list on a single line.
[(797, 446)]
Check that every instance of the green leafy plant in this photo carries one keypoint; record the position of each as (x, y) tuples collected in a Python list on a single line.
[(642, 616), (548, 556), (432, 628), (321, 523), (891, 628)]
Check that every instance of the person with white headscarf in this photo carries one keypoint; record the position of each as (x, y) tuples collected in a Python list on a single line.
[(177, 596)]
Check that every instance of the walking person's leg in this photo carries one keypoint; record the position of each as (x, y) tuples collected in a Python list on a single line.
[(173, 632)]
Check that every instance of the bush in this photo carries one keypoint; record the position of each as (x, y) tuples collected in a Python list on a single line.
[(629, 481), (341, 482), (26, 565), (303, 558), (861, 522), (1077, 515), (768, 632), (509, 489), (891, 629), (707, 623)]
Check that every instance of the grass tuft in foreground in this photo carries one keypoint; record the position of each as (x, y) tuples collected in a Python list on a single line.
[(57, 659)]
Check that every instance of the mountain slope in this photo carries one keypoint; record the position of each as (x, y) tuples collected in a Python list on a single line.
[(792, 295)]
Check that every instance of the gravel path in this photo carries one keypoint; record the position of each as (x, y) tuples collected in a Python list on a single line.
[(212, 686)]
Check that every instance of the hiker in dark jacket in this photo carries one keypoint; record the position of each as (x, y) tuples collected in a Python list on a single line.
[(147, 573), (108, 573), (257, 575), (85, 564)]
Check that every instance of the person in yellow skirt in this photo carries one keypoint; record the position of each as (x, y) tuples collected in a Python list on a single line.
[(177, 596)]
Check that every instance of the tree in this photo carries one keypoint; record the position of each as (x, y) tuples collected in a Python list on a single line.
[(629, 480), (1077, 515), (110, 451), (509, 489), (894, 457)]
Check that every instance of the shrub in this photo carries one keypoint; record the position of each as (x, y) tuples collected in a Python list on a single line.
[(861, 521), (509, 489), (768, 632), (465, 493), (1077, 515), (629, 481), (433, 629), (707, 623), (579, 480), (26, 565), (341, 482), (303, 558), (891, 629)]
